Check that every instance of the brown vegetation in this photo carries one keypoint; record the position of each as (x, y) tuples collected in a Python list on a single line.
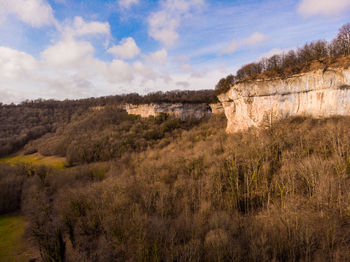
[(33, 119), (108, 134), (280, 193)]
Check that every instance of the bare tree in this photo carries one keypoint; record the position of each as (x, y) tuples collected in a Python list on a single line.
[(293, 62), (343, 39), (225, 84), (290, 59), (274, 62), (319, 49)]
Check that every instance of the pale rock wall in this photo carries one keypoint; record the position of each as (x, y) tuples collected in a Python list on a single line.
[(100, 108), (321, 93), (216, 108), (179, 110), (97, 108)]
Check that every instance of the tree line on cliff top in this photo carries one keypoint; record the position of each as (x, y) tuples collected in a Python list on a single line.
[(173, 96), (317, 54)]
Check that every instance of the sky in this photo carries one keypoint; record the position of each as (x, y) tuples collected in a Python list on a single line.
[(70, 49)]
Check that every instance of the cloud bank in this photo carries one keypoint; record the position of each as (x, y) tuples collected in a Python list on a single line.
[(37, 13), (323, 7), (69, 68)]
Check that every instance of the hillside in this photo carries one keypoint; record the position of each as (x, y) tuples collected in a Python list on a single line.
[(32, 119), (277, 194), (108, 134), (166, 189)]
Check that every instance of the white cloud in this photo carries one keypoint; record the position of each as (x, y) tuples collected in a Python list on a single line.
[(144, 71), (254, 39), (127, 49), (13, 63), (181, 59), (78, 73), (67, 52), (36, 13), (126, 4), (81, 27), (272, 52), (323, 7), (183, 84), (120, 71), (69, 68), (158, 57), (164, 23), (163, 28), (187, 68)]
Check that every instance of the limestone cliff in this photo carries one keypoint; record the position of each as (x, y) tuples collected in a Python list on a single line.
[(179, 110), (320, 93), (216, 108)]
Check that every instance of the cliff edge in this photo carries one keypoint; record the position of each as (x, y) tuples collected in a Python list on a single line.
[(179, 110), (319, 93)]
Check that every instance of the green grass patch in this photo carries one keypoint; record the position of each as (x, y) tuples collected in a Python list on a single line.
[(11, 242), (36, 160)]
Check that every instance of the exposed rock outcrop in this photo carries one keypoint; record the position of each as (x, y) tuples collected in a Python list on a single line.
[(216, 108), (179, 110), (97, 108), (320, 93)]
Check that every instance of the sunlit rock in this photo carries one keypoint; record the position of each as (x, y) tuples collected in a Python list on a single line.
[(320, 93)]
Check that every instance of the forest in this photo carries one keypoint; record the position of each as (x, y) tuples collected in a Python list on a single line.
[(34, 118), (196, 193)]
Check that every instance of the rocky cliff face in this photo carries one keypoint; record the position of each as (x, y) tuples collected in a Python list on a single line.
[(216, 108), (320, 93), (179, 110)]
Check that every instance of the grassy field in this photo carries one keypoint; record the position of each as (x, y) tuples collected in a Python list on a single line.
[(12, 247), (36, 160)]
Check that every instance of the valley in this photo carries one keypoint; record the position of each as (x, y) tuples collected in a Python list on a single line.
[(257, 169)]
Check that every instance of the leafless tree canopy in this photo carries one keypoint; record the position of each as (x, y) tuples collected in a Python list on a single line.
[(293, 62)]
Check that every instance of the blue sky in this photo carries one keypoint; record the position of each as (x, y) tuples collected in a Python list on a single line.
[(73, 49)]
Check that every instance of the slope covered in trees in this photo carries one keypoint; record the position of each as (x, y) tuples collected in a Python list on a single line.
[(32, 119), (108, 134), (279, 194)]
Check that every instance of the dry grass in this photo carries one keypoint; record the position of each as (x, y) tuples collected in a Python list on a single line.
[(36, 159), (12, 246)]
